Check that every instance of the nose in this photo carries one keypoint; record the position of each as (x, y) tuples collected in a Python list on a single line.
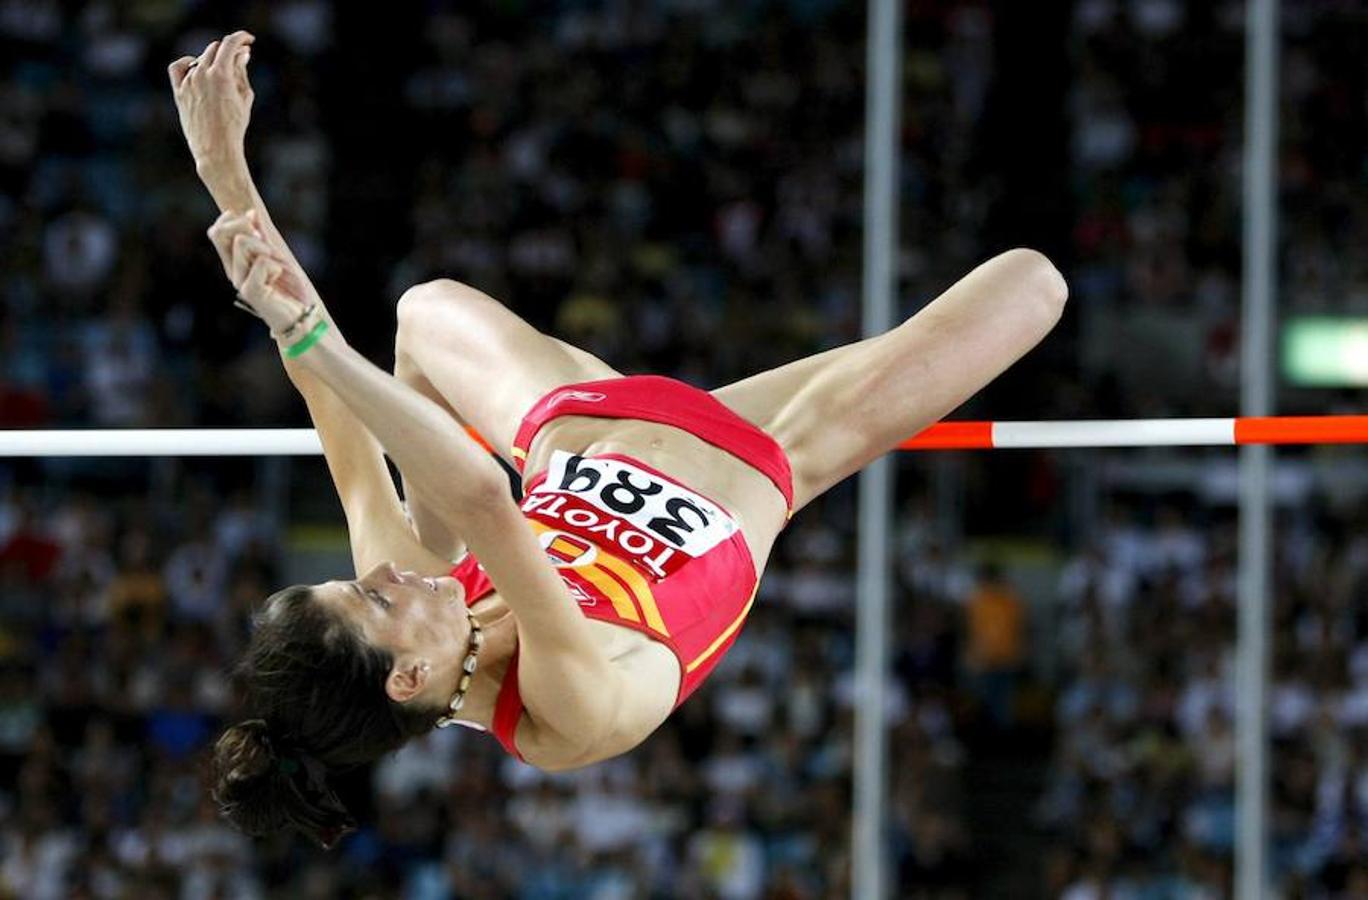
[(391, 573)]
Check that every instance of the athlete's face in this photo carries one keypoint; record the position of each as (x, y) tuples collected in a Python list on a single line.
[(421, 621)]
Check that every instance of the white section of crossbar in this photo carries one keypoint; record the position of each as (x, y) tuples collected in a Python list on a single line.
[(162, 442), (1115, 433)]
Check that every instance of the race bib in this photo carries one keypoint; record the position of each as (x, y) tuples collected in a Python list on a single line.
[(653, 523)]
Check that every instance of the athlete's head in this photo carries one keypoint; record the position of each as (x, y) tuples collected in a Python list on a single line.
[(336, 674)]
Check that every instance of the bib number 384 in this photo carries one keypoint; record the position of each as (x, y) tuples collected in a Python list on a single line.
[(650, 520)]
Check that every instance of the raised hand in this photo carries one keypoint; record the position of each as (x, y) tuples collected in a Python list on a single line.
[(214, 99)]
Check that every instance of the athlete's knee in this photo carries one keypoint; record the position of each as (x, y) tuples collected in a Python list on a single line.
[(439, 292), (425, 304), (1038, 278)]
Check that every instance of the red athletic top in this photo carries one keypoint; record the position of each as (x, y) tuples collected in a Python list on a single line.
[(635, 547)]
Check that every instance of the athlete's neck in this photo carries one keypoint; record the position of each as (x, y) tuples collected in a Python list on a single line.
[(500, 638)]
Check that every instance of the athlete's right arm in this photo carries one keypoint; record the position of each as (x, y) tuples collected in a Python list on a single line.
[(214, 100)]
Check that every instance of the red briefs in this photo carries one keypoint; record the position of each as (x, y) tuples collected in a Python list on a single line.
[(633, 546)]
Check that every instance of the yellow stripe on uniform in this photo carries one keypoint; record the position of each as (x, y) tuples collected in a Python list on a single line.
[(518, 453), (641, 589), (722, 638), (566, 549), (621, 600)]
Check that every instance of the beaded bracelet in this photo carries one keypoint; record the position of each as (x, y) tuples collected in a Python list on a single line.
[(301, 347), (293, 326)]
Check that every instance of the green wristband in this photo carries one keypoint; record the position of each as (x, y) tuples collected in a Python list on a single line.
[(309, 340)]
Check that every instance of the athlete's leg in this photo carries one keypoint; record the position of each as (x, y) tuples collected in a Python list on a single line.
[(487, 363), (835, 412), (433, 533)]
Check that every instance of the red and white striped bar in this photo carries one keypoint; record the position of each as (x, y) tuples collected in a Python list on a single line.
[(1142, 433), (941, 436)]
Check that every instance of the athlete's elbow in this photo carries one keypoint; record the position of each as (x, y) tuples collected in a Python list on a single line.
[(473, 502), (482, 495), (1040, 282)]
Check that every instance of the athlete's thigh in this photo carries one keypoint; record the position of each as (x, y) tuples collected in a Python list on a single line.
[(835, 412), (793, 403), (488, 363)]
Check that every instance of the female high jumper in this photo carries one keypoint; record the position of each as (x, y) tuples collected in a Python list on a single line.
[(572, 622)]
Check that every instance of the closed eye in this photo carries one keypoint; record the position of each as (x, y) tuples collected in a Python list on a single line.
[(372, 595)]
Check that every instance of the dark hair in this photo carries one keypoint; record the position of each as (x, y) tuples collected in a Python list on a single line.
[(317, 691)]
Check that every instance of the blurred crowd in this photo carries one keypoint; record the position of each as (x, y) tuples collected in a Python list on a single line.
[(1157, 140), (1141, 789), (676, 186), (1140, 796)]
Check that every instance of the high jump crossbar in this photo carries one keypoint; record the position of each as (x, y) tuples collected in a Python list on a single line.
[(941, 436), (1142, 433)]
